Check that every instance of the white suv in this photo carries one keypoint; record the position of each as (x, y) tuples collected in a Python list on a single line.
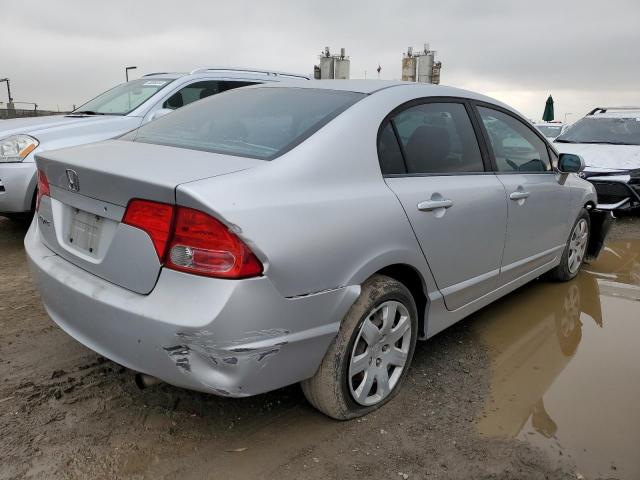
[(609, 141), (116, 111)]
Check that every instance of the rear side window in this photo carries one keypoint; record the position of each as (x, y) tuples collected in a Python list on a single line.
[(438, 138), (389, 153), (200, 90), (515, 146), (258, 123)]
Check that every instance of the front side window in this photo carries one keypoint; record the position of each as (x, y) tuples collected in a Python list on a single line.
[(515, 146), (438, 138), (261, 122), (200, 90), (603, 130), (124, 98)]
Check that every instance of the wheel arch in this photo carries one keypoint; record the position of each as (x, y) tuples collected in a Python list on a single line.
[(411, 278)]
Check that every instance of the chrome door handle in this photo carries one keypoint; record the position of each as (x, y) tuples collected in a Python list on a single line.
[(429, 205), (519, 195)]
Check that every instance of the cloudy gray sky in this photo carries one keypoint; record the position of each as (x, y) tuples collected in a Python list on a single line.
[(586, 53)]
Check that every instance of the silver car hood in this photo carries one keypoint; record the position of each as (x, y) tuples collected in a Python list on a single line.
[(600, 157), (37, 125)]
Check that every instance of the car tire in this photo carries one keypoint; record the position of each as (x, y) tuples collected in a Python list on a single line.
[(577, 244), (334, 388)]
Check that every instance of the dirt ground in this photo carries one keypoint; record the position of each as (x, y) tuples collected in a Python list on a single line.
[(66, 412)]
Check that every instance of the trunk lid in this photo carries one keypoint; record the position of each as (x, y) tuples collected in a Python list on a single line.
[(90, 188)]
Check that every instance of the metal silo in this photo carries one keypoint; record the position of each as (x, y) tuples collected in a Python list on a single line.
[(425, 67), (326, 64), (341, 66), (409, 66)]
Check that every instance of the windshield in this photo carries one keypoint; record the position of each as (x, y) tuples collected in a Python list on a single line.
[(124, 98), (251, 122), (617, 131), (550, 131)]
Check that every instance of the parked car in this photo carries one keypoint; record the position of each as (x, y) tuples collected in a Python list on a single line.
[(309, 233), (110, 114), (609, 141), (551, 130)]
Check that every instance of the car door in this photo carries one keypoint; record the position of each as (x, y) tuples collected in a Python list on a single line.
[(538, 201), (431, 159)]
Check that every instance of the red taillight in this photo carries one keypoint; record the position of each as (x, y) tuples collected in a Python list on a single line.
[(197, 243), (203, 245), (43, 188), (154, 218)]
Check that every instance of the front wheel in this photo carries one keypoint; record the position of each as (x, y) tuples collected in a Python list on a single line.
[(369, 359), (575, 249)]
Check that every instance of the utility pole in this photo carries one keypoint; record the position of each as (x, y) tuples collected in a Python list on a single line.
[(10, 106), (126, 72)]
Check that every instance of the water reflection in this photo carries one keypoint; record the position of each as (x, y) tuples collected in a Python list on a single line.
[(565, 367), (531, 336)]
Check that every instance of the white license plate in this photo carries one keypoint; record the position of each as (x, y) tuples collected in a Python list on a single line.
[(84, 231)]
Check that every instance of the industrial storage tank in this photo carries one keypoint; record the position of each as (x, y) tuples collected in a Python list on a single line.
[(409, 66), (421, 66), (326, 67), (334, 66), (425, 67)]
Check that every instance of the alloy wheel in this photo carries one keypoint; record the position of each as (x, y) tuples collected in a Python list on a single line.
[(379, 354), (578, 245)]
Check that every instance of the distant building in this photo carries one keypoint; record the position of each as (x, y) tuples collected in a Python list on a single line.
[(421, 67), (332, 66)]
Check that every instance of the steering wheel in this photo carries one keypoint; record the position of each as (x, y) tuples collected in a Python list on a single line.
[(512, 164)]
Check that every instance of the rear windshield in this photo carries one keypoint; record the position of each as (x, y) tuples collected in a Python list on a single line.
[(254, 122)]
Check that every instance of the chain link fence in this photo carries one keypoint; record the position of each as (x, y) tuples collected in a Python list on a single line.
[(24, 113)]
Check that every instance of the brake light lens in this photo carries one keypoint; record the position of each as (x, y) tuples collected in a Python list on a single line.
[(43, 188), (154, 218), (205, 246), (192, 241)]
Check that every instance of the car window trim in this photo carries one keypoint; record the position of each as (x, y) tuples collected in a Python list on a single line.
[(486, 165), (487, 140)]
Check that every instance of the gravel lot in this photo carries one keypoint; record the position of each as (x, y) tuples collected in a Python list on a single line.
[(66, 412)]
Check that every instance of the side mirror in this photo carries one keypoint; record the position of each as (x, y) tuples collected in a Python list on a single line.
[(570, 163), (160, 113)]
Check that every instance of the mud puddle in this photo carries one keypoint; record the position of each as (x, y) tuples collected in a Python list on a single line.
[(565, 365)]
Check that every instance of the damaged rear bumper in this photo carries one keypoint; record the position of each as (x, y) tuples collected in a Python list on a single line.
[(232, 338)]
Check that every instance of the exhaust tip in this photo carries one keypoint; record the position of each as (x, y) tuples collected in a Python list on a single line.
[(143, 381)]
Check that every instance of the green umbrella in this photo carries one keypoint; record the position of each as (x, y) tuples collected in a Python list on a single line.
[(547, 116)]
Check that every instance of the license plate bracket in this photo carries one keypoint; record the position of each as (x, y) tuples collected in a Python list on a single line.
[(84, 231)]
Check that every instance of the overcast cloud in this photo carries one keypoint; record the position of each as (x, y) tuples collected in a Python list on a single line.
[(586, 53)]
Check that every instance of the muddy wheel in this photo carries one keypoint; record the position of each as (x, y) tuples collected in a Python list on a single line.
[(574, 251), (368, 361)]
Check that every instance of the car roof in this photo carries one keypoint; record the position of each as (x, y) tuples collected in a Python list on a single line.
[(372, 86), (615, 112)]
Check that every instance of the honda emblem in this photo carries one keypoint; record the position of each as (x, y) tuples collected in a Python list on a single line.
[(73, 182)]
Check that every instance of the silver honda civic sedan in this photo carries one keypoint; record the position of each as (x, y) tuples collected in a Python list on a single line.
[(303, 233)]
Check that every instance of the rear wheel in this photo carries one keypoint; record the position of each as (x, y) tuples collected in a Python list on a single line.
[(369, 359), (575, 249)]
